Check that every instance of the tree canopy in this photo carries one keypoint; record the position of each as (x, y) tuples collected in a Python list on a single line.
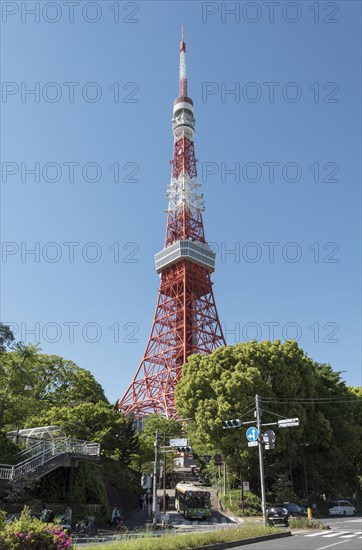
[(38, 389), (167, 429), (223, 386)]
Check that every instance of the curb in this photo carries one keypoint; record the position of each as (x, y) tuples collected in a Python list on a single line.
[(242, 542)]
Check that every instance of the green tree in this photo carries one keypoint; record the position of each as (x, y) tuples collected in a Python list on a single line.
[(223, 385), (58, 381), (167, 429), (6, 337), (34, 382), (98, 422), (17, 377)]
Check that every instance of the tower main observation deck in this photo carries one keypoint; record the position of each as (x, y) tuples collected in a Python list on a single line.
[(186, 319)]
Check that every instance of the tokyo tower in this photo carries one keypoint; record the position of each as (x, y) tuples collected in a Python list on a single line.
[(186, 319)]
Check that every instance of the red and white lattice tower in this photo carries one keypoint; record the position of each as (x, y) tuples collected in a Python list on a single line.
[(186, 319)]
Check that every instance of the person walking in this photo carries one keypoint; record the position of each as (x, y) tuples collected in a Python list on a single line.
[(116, 516), (68, 514)]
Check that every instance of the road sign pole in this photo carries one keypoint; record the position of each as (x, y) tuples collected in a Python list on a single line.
[(261, 458), (242, 489), (154, 496)]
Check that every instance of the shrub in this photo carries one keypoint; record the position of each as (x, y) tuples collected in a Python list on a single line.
[(232, 501), (29, 533), (305, 523), (2, 520)]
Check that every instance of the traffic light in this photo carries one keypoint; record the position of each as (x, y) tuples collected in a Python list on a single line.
[(183, 449), (231, 424)]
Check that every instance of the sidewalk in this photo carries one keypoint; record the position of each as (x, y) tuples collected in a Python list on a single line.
[(136, 519)]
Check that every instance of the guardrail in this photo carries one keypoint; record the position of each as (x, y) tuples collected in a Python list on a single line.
[(41, 454)]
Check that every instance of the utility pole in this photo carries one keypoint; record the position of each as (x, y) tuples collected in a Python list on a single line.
[(224, 489), (305, 477), (242, 489), (154, 496), (291, 470), (164, 482), (261, 457)]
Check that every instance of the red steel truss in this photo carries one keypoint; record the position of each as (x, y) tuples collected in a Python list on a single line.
[(184, 158), (186, 319), (183, 225)]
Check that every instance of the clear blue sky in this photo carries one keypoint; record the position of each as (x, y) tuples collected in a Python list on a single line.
[(313, 122)]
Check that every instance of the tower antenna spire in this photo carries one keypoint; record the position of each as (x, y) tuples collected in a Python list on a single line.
[(183, 79)]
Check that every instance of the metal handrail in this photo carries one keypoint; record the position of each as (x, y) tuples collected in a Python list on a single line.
[(33, 449), (47, 453)]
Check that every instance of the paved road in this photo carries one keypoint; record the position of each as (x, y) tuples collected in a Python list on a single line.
[(345, 534), (344, 522), (178, 520)]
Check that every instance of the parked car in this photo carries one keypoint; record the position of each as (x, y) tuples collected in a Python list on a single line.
[(341, 508), (277, 515), (294, 509)]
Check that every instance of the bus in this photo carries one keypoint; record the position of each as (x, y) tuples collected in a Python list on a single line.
[(191, 501)]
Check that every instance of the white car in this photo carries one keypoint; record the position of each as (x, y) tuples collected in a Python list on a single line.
[(341, 508)]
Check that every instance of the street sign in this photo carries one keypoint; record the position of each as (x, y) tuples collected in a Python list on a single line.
[(288, 422), (218, 459), (207, 458), (252, 434), (178, 443), (246, 486), (269, 446), (252, 443), (269, 437)]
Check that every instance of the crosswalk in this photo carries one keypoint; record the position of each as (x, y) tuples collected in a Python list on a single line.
[(335, 535)]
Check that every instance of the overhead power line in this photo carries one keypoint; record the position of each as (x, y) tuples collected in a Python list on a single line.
[(311, 401)]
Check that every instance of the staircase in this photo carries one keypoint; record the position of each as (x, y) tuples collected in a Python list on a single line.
[(45, 456)]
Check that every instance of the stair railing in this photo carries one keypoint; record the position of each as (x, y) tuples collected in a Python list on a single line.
[(40, 454)]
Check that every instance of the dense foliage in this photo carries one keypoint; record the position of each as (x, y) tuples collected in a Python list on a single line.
[(326, 447), (167, 429), (30, 533), (42, 390)]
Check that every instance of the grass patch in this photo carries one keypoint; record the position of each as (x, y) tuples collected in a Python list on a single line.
[(305, 523), (185, 542)]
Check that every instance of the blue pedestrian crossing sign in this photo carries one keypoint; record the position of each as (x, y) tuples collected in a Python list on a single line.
[(252, 434)]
